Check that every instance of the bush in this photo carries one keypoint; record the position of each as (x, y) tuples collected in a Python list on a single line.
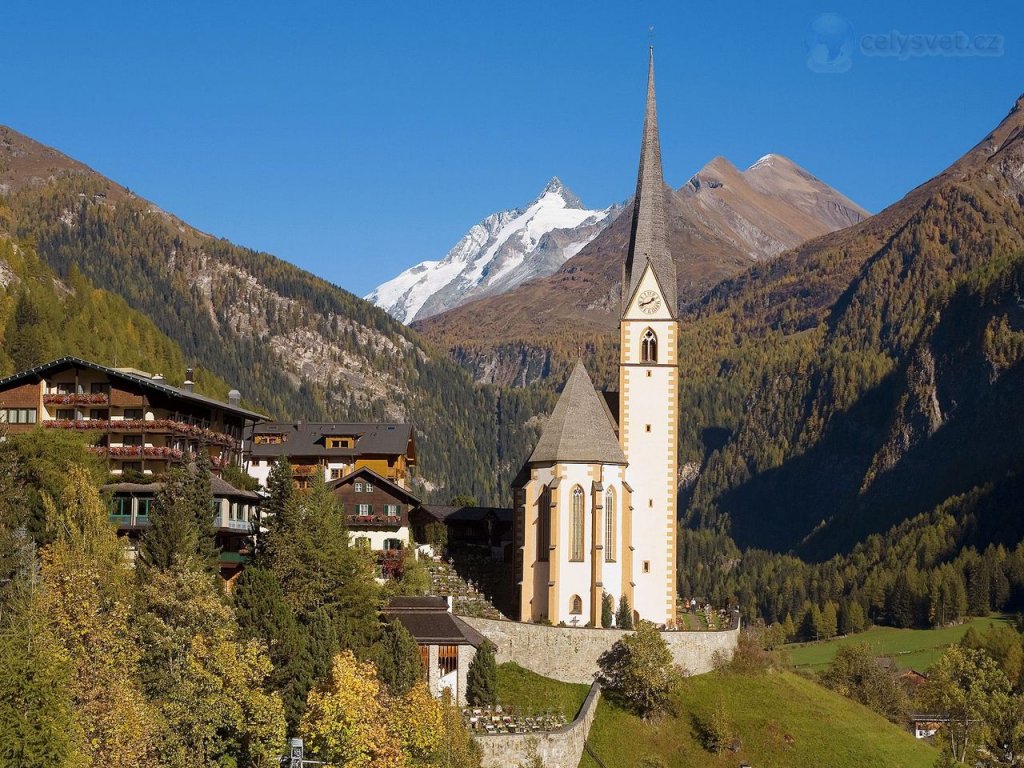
[(607, 610), (713, 730), (624, 616), (638, 671)]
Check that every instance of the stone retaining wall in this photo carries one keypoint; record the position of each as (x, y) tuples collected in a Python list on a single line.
[(562, 748), (570, 654)]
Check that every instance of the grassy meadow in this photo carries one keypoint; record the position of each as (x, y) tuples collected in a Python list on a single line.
[(910, 648)]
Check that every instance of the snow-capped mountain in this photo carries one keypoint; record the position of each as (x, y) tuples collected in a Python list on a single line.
[(502, 251)]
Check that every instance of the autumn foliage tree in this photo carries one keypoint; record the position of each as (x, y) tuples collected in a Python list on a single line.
[(638, 671)]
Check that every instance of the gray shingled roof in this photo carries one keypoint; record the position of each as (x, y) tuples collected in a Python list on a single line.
[(647, 238), (218, 487), (579, 429), (307, 439)]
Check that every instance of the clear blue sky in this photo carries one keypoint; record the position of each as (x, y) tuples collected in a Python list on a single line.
[(357, 139)]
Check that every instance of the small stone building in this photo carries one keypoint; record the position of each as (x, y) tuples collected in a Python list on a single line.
[(447, 643)]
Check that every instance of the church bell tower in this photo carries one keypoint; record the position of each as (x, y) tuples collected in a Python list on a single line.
[(649, 383)]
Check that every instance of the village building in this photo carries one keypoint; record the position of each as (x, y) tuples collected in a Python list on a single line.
[(145, 426), (468, 527), (376, 509), (447, 644), (234, 513), (595, 504), (332, 449)]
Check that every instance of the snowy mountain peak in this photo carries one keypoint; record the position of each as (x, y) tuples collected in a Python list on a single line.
[(556, 187), (505, 249)]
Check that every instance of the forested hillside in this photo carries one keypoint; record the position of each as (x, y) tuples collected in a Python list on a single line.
[(295, 345)]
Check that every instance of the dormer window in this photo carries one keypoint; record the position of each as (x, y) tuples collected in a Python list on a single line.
[(649, 347)]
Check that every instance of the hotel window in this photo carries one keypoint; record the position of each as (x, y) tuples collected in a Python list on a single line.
[(609, 525), (99, 388), (99, 414), (576, 605), (121, 506), (66, 414), (66, 388), (576, 551), (364, 509), (544, 526), (18, 415), (335, 474), (144, 505), (135, 440), (391, 510), (368, 487), (649, 347), (131, 466), (133, 414)]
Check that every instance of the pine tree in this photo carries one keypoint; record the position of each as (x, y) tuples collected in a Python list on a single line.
[(263, 614), (482, 678), (280, 491), (607, 610), (624, 616), (181, 521), (398, 660)]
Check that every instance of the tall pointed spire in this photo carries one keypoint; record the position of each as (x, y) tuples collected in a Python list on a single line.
[(647, 237)]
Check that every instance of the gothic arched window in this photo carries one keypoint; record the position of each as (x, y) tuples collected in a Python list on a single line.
[(649, 347), (576, 550), (576, 605), (609, 525), (544, 526)]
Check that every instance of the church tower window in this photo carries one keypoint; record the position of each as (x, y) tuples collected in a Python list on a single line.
[(609, 525), (576, 552), (649, 347), (544, 526)]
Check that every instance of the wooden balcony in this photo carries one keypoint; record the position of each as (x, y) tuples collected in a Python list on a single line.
[(96, 398)]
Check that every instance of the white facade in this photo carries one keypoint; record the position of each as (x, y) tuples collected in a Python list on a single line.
[(648, 432), (260, 469)]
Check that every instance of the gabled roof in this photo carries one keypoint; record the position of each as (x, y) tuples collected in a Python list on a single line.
[(219, 487), (157, 385), (448, 514), (647, 235), (427, 619), (365, 472), (309, 439), (579, 428)]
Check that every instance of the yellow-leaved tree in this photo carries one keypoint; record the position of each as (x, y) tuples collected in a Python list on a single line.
[(86, 597), (353, 721)]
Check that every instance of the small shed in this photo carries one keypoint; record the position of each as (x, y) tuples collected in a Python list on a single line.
[(447, 643)]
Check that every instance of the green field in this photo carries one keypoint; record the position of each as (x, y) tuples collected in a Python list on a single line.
[(911, 648), (532, 694), (782, 720)]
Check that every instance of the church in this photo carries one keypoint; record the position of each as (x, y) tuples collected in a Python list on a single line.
[(595, 503)]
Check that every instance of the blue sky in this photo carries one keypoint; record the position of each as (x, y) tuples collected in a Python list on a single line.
[(357, 139)]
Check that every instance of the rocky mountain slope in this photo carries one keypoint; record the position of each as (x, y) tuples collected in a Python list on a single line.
[(502, 251), (297, 346), (720, 223)]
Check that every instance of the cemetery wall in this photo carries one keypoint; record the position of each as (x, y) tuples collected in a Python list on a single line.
[(562, 748), (570, 654)]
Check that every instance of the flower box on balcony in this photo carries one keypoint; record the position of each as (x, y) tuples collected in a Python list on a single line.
[(95, 398)]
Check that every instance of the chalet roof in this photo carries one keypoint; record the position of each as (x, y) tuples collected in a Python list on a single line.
[(579, 428), (377, 480), (448, 514), (218, 485), (308, 439), (427, 619), (128, 375), (647, 235)]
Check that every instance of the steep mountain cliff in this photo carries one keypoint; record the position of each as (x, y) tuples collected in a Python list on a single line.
[(502, 251), (720, 223), (297, 346)]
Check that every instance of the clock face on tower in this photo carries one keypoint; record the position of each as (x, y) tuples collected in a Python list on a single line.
[(649, 302)]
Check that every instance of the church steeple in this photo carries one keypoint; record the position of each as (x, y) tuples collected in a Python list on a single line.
[(647, 237)]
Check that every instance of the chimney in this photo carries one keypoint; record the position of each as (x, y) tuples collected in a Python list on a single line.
[(189, 384), (234, 398)]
